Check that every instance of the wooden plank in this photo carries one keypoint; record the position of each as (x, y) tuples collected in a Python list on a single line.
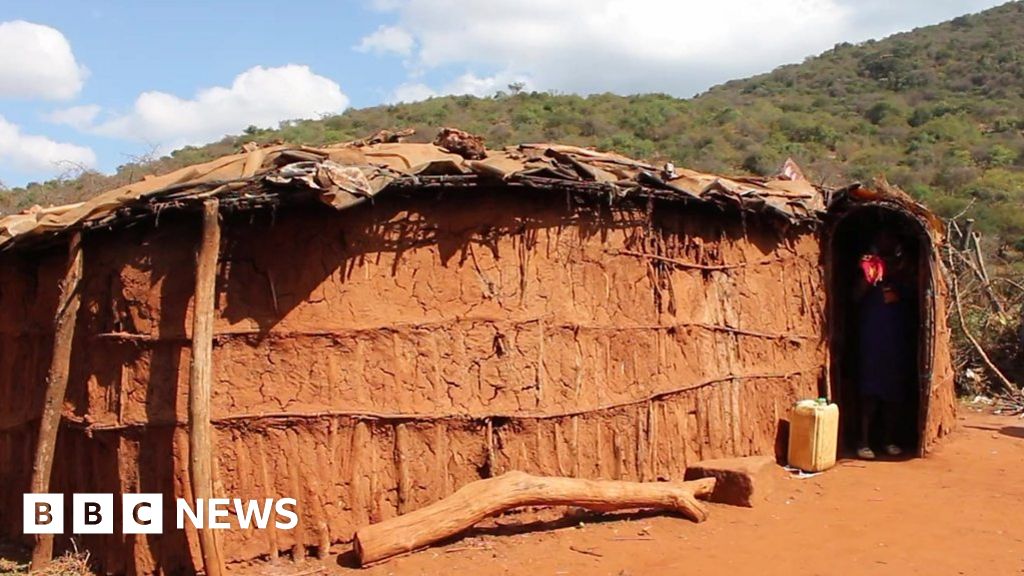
[(200, 431), (56, 387)]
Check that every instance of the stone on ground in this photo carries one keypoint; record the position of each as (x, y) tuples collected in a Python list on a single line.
[(740, 481)]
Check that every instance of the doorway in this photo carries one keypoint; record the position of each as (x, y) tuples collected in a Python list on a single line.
[(871, 342)]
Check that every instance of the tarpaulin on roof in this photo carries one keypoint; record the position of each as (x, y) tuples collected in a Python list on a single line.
[(345, 173)]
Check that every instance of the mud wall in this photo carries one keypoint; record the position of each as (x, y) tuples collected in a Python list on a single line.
[(941, 399), (28, 298), (371, 361)]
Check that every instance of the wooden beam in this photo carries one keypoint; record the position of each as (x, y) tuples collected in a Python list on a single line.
[(200, 431), (478, 500), (56, 387)]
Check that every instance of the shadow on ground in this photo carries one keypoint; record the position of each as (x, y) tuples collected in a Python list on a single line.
[(1011, 431), (571, 519)]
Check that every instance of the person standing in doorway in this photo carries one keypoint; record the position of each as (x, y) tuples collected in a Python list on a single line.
[(886, 347)]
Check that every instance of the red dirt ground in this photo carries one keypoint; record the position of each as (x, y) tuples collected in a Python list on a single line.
[(960, 511)]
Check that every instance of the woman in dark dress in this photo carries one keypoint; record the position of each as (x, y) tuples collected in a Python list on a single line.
[(885, 340)]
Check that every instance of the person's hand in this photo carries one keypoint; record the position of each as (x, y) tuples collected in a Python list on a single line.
[(873, 268)]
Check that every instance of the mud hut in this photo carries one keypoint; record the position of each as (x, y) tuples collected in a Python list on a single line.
[(382, 322)]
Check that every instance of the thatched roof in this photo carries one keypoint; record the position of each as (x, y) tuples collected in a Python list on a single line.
[(347, 174)]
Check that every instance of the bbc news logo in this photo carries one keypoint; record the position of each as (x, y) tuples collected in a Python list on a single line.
[(144, 513)]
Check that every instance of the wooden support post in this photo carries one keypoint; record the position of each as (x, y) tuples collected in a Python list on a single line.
[(966, 235), (56, 387), (490, 449), (200, 431), (402, 468)]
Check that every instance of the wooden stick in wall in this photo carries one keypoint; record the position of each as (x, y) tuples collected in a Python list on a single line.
[(200, 431), (56, 387)]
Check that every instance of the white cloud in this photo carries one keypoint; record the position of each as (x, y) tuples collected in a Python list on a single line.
[(80, 117), (387, 39), (467, 83), (618, 45), (32, 153), (627, 46), (385, 5), (411, 92), (37, 62), (261, 97), (474, 85), (877, 18)]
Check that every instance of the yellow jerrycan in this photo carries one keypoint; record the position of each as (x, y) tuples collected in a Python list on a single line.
[(813, 435)]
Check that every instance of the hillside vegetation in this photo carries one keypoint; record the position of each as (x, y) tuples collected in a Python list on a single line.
[(939, 111)]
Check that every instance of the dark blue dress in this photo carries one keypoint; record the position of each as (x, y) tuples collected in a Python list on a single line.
[(887, 351)]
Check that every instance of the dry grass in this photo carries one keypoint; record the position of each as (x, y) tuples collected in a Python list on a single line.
[(10, 567), (70, 564)]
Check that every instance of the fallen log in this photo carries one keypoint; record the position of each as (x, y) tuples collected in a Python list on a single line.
[(478, 500)]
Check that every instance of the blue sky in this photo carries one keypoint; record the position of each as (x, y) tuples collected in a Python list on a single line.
[(95, 83)]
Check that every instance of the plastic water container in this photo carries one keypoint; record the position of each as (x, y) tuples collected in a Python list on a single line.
[(813, 435)]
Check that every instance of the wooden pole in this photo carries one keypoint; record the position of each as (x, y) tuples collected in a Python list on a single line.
[(200, 431), (985, 282), (56, 387), (478, 500), (1003, 380), (966, 234)]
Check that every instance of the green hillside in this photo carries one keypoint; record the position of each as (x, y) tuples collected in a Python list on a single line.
[(939, 111)]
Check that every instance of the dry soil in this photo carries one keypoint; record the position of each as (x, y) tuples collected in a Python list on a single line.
[(960, 511)]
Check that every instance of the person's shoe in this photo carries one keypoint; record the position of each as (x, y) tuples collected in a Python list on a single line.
[(865, 453), (893, 450)]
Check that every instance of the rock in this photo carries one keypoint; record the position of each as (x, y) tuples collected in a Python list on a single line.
[(469, 146), (740, 481)]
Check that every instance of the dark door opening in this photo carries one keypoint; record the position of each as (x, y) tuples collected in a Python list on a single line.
[(877, 330)]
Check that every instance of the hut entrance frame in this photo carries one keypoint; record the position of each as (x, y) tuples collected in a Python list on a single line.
[(846, 240)]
